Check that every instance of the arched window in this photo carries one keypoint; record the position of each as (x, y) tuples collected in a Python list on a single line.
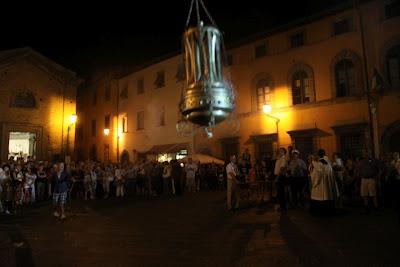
[(345, 78), (393, 66), (301, 92), (301, 84), (263, 92)]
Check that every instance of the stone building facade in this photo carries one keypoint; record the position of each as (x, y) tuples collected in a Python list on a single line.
[(38, 96), (314, 75)]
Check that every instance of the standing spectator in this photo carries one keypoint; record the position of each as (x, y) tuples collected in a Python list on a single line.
[(2, 178), (349, 178), (119, 181), (107, 179), (337, 166), (166, 179), (140, 181), (232, 173), (176, 177), (281, 182), (60, 178), (87, 181), (41, 183), (246, 157), (8, 191), (29, 186), (368, 171), (190, 170), (298, 173), (395, 176), (50, 181)]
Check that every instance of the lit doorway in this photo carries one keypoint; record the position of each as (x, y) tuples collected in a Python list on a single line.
[(22, 145)]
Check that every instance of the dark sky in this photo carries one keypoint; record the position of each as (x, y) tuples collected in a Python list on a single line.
[(94, 35)]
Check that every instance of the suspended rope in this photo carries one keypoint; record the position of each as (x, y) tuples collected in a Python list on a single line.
[(198, 13)]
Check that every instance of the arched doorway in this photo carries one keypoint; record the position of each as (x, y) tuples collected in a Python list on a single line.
[(391, 138), (125, 157)]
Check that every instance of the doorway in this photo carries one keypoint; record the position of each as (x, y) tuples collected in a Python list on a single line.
[(22, 145)]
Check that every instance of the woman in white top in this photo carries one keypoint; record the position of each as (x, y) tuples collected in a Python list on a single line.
[(29, 186)]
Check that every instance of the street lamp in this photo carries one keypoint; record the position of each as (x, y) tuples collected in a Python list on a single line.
[(267, 110), (106, 131), (72, 120)]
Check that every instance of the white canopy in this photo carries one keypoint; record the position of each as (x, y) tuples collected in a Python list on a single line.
[(204, 159)]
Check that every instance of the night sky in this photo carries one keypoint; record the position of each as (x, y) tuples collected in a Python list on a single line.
[(93, 36)]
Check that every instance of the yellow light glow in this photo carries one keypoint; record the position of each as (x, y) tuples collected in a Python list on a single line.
[(267, 108), (73, 118), (106, 132)]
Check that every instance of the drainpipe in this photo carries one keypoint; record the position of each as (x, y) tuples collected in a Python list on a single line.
[(371, 106)]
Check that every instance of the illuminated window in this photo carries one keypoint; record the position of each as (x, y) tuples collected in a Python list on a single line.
[(140, 86), (107, 93), (263, 91), (160, 79), (345, 78), (393, 66), (297, 40), (107, 122), (94, 127), (140, 120), (125, 124), (301, 92), (260, 51)]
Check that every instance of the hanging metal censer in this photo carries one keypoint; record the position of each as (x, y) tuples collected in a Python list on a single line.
[(207, 98)]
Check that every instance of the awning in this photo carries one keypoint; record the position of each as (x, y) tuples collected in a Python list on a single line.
[(167, 148)]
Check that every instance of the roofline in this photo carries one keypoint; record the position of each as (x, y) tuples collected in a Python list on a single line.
[(256, 37)]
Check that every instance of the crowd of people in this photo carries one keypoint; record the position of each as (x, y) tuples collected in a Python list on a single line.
[(289, 179), (23, 183)]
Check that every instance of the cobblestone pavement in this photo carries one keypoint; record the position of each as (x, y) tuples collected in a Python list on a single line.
[(195, 230)]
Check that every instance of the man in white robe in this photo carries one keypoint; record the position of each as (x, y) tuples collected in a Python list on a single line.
[(324, 189)]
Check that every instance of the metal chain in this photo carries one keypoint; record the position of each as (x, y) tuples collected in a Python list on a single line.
[(190, 13), (198, 13), (207, 13)]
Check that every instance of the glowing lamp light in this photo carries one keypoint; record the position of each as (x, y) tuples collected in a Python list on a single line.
[(106, 132), (73, 118), (267, 108)]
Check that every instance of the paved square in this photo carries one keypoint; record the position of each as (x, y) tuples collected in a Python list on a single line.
[(195, 230)]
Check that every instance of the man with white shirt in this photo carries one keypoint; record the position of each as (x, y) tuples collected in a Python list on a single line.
[(190, 170), (232, 173)]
